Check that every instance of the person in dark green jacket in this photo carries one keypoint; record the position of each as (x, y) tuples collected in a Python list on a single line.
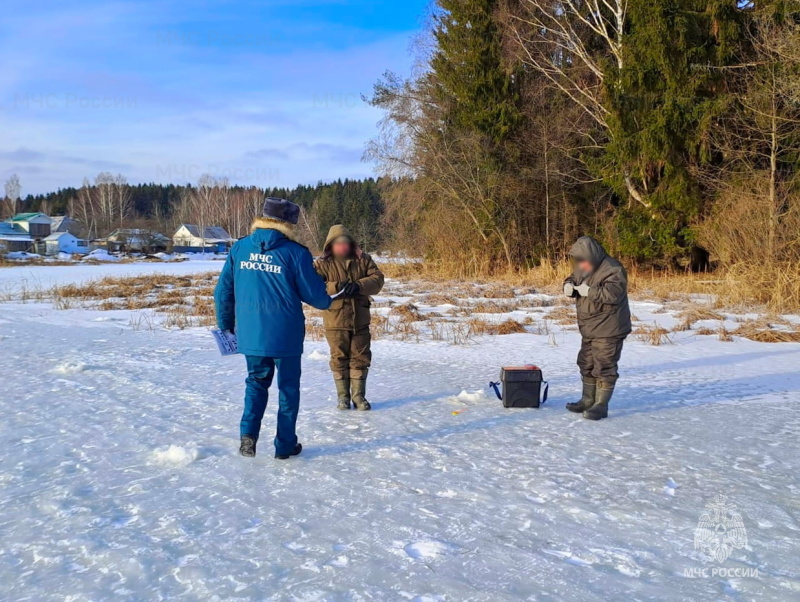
[(600, 285), (259, 296)]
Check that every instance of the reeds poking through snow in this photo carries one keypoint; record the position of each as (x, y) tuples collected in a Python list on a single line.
[(772, 287), (183, 301), (440, 310), (654, 335)]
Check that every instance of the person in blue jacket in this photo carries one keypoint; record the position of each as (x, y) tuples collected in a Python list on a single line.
[(259, 296)]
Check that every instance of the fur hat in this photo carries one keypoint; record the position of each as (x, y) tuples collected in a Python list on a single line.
[(281, 210)]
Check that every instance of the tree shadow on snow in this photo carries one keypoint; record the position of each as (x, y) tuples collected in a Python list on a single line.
[(724, 359), (629, 400), (504, 417), (404, 401)]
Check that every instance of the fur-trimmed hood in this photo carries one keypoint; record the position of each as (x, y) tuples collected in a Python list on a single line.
[(266, 223)]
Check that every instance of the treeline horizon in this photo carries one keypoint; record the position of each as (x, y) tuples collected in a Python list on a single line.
[(110, 202)]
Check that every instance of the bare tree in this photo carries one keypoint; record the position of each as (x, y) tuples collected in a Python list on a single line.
[(13, 190), (570, 42), (84, 208), (757, 214), (309, 229), (122, 198), (105, 200)]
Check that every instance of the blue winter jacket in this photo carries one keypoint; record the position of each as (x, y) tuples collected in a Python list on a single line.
[(260, 292)]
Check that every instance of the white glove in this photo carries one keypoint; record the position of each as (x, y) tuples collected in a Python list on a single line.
[(583, 290), (569, 289)]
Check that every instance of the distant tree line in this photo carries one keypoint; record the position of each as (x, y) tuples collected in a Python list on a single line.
[(109, 202), (669, 129)]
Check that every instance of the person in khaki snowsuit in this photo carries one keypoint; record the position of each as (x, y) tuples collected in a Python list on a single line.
[(345, 267), (600, 285)]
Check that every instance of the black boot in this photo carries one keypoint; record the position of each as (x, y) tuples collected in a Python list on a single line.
[(587, 399), (342, 393), (297, 449), (600, 408), (248, 446)]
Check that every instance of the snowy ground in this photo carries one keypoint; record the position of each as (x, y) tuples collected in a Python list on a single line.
[(119, 478)]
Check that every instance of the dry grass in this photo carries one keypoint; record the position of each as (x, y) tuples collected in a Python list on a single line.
[(563, 315), (314, 330), (451, 331), (401, 270), (439, 298), (763, 330), (184, 301), (407, 312), (496, 307), (187, 301), (499, 291), (480, 326), (695, 314), (757, 286), (655, 334), (723, 334), (510, 327)]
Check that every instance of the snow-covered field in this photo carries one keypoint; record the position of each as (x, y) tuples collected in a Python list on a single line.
[(119, 478)]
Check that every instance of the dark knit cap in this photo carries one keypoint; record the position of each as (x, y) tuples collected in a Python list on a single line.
[(281, 209)]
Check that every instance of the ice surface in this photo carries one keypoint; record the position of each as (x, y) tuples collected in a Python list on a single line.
[(119, 478)]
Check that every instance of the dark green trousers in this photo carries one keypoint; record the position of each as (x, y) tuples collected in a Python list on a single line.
[(599, 358)]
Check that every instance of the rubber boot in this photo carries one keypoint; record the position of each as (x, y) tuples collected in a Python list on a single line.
[(343, 393), (600, 408), (359, 388), (587, 399)]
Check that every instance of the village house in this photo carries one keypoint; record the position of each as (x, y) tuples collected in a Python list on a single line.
[(65, 242), (190, 238), (14, 239), (37, 225), (25, 232), (64, 223), (136, 240)]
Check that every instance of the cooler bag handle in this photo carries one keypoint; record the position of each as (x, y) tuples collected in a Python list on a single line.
[(545, 391)]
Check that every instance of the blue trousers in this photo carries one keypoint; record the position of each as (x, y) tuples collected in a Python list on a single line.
[(260, 372)]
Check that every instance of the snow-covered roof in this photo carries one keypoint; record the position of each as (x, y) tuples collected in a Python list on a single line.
[(58, 221), (10, 232), (211, 233), (56, 235)]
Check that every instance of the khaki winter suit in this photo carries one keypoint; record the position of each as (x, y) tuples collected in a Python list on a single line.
[(604, 317), (347, 321)]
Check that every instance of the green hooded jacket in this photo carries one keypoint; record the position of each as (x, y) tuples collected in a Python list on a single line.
[(353, 313), (605, 312)]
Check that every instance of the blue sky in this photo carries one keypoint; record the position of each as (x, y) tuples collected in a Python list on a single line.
[(265, 93)]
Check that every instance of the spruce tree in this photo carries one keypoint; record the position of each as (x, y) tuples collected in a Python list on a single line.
[(662, 103), (469, 78)]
